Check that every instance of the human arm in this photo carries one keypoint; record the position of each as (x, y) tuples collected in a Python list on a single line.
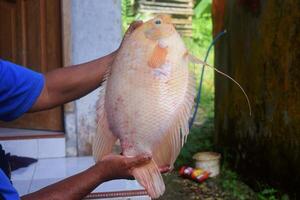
[(69, 83), (79, 185)]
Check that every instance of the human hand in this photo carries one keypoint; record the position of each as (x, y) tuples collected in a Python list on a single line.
[(121, 167)]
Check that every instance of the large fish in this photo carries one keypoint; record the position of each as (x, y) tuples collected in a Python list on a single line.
[(147, 102)]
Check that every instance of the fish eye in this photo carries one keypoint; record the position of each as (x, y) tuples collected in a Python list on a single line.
[(158, 21)]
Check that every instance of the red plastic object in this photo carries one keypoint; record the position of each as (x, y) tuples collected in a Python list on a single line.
[(193, 174)]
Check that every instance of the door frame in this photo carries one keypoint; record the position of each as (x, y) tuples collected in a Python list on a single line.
[(69, 114)]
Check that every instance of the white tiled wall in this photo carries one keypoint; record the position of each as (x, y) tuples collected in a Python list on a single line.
[(36, 148), (51, 147), (27, 148)]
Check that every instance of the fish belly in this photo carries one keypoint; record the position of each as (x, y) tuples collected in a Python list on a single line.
[(140, 108)]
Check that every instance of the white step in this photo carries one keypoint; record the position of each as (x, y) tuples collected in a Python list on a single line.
[(49, 171), (32, 143)]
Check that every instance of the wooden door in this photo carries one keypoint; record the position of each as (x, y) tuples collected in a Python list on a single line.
[(30, 35)]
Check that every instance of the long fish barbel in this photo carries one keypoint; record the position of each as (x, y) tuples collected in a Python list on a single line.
[(195, 60)]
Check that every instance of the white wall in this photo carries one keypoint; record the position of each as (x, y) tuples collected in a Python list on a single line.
[(96, 31)]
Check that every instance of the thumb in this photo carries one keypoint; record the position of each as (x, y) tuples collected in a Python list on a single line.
[(138, 160)]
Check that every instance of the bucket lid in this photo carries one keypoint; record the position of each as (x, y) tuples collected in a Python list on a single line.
[(207, 156)]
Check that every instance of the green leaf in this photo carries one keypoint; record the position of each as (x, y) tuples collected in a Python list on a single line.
[(201, 7)]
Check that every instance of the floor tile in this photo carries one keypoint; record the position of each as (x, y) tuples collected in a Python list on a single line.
[(135, 198), (78, 164), (22, 186), (51, 148), (118, 185), (50, 168), (24, 173)]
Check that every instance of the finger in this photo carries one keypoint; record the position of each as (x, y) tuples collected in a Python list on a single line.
[(138, 160)]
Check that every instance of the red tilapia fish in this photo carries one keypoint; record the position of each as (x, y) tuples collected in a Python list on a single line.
[(147, 100)]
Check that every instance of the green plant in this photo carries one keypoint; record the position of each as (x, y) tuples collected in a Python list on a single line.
[(267, 194), (197, 45), (231, 184), (199, 139)]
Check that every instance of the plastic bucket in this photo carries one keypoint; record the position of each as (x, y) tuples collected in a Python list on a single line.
[(209, 161)]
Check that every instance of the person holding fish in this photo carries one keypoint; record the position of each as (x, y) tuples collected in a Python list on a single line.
[(148, 100), (22, 90)]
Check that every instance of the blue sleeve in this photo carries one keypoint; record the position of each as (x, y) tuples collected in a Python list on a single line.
[(7, 191), (19, 89)]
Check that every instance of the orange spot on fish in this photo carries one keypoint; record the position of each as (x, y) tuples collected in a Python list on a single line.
[(158, 57)]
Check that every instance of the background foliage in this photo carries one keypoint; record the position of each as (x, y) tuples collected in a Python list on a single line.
[(201, 134)]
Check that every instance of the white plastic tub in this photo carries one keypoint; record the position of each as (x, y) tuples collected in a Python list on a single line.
[(209, 161)]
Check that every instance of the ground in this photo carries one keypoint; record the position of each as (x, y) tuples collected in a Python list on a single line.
[(211, 189)]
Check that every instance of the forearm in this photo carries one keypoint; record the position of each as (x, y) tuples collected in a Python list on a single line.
[(74, 187), (70, 83)]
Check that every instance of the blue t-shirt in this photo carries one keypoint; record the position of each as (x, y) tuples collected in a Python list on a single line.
[(7, 192), (19, 89)]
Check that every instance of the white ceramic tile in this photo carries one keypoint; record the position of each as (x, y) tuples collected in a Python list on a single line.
[(41, 183), (51, 148), (75, 165), (50, 168), (136, 198), (140, 198), (22, 186), (24, 173), (118, 185), (28, 148)]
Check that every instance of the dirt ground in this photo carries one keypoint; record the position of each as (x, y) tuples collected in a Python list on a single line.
[(211, 189)]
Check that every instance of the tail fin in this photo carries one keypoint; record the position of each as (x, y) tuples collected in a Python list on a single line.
[(150, 178)]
